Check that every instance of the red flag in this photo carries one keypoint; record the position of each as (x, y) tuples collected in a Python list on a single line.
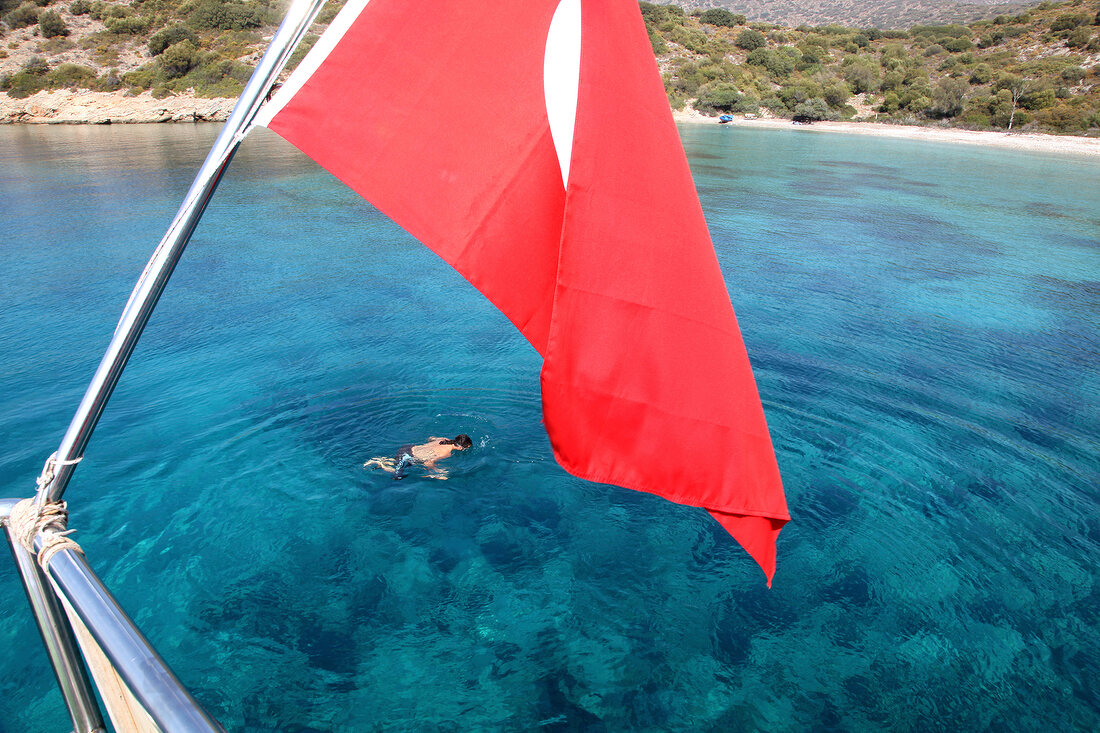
[(530, 145)]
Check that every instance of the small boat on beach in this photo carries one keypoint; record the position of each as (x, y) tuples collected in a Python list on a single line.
[(724, 119)]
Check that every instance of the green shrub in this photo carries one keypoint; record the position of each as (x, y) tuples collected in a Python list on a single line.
[(110, 82), (210, 15), (837, 95), (1079, 37), (142, 78), (308, 42), (981, 74), (161, 92), (862, 76), (975, 120), (958, 45), (750, 40), (778, 63), (28, 80), (80, 7), (655, 41), (719, 96), (721, 17), (179, 58), (891, 103), (1065, 118), (133, 25), (329, 12), (1073, 74), (23, 16), (50, 25), (1069, 21), (1036, 100), (36, 66), (72, 76), (814, 109), (692, 39), (219, 78), (652, 13), (165, 37)]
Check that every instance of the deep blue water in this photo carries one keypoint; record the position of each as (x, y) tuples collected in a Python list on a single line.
[(924, 321)]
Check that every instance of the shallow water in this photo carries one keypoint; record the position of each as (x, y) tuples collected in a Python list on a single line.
[(924, 321)]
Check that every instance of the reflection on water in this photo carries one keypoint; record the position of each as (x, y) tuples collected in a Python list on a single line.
[(923, 321)]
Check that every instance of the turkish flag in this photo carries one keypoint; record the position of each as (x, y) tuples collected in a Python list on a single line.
[(531, 146)]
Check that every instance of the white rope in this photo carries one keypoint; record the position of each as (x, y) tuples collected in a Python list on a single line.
[(50, 468), (27, 520)]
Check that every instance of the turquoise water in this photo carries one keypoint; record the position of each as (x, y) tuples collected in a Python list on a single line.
[(924, 321)]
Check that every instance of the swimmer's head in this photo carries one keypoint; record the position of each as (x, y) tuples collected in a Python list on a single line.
[(461, 441)]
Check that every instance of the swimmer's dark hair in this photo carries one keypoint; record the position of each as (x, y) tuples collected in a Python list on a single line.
[(462, 440)]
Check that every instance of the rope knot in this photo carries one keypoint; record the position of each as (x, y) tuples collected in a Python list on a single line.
[(28, 519), (49, 470)]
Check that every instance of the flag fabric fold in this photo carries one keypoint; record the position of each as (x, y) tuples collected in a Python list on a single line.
[(590, 240)]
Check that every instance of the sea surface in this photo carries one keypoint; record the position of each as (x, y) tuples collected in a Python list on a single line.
[(924, 323)]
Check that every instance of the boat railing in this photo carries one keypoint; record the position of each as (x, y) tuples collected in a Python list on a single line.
[(79, 619), (76, 616)]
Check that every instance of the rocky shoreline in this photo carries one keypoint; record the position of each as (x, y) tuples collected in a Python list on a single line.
[(65, 106), (106, 108)]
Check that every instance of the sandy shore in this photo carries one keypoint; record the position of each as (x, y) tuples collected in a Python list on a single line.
[(1014, 140)]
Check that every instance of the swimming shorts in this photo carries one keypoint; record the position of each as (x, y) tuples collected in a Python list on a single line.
[(404, 459)]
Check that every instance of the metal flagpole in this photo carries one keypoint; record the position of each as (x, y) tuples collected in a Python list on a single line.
[(153, 279)]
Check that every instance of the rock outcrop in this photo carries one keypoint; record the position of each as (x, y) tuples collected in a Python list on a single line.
[(102, 108)]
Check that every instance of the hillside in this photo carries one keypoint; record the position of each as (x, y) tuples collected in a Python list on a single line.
[(862, 13), (204, 48), (1036, 70)]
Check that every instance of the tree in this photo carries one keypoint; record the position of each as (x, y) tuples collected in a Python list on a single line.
[(949, 97), (1016, 86)]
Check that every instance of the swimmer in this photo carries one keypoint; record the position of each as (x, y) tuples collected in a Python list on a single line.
[(425, 454)]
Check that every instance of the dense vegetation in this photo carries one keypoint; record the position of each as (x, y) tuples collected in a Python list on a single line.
[(1034, 70), (1038, 69), (207, 47)]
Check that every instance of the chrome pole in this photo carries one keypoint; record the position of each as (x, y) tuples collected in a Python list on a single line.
[(155, 276), (135, 661), (61, 647), (57, 635)]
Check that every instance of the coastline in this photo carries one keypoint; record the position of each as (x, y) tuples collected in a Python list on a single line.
[(1025, 141), (99, 108), (67, 107)]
